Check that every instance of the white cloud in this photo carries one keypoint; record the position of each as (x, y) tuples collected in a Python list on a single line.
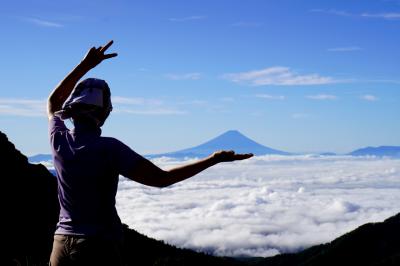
[(143, 106), (383, 15), (156, 111), (122, 105), (228, 99), (280, 76), (322, 97), (271, 97), (386, 16), (43, 23), (190, 18), (195, 102), (380, 81), (22, 107), (266, 205), (135, 101), (369, 97), (300, 115), (185, 76), (247, 24), (345, 49), (332, 11)]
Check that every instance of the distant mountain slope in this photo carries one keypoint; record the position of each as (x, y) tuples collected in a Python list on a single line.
[(40, 158), (390, 151), (230, 140), (370, 244)]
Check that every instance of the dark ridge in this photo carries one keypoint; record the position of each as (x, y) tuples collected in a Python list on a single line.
[(369, 244), (30, 205), (30, 212)]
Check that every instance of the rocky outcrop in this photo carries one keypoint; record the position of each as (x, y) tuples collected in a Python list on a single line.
[(30, 211), (29, 206)]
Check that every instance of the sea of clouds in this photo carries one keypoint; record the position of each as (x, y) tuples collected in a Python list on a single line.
[(266, 205)]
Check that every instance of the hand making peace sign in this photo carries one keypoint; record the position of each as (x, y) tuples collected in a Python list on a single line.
[(96, 55)]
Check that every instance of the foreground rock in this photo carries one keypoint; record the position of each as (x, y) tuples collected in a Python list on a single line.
[(30, 212)]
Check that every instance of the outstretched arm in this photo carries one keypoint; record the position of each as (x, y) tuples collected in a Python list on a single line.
[(93, 57), (149, 174)]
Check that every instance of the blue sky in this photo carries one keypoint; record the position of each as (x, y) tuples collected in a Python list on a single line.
[(299, 76)]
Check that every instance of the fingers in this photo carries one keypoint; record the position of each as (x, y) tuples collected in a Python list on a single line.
[(104, 48), (106, 56), (243, 156), (228, 156)]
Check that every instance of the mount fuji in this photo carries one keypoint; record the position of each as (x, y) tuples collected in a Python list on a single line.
[(230, 140)]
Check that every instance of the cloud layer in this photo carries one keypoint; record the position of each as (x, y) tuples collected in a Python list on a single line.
[(345, 49), (122, 105), (22, 107), (369, 97), (42, 22), (185, 76), (322, 97), (266, 205), (382, 15), (279, 76), (190, 18)]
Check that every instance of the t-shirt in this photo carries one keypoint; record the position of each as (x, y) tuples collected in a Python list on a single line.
[(88, 167)]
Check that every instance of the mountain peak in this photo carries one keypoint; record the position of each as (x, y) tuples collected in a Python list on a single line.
[(229, 140), (232, 132)]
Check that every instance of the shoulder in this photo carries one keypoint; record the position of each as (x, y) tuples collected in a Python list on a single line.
[(111, 141), (114, 144), (118, 148)]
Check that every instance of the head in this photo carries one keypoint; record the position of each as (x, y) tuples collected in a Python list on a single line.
[(89, 102)]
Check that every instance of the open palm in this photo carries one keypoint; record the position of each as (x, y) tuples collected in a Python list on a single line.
[(229, 156)]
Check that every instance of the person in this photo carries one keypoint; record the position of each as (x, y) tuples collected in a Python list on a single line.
[(89, 230)]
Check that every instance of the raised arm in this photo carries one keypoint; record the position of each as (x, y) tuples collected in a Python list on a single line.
[(61, 92), (149, 174)]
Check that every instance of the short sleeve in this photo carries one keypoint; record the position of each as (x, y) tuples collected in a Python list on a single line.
[(126, 158), (56, 124)]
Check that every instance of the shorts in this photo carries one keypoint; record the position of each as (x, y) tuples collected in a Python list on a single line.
[(78, 250)]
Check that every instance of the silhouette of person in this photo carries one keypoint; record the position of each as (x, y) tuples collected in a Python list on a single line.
[(89, 230)]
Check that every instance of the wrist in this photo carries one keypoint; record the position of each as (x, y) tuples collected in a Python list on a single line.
[(213, 159), (85, 65)]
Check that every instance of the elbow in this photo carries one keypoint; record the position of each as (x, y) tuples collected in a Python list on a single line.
[(160, 186), (164, 180), (50, 105)]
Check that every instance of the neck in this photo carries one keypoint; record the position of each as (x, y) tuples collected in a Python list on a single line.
[(86, 126)]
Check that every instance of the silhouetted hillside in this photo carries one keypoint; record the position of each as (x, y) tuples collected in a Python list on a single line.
[(30, 212), (370, 244), (29, 206)]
